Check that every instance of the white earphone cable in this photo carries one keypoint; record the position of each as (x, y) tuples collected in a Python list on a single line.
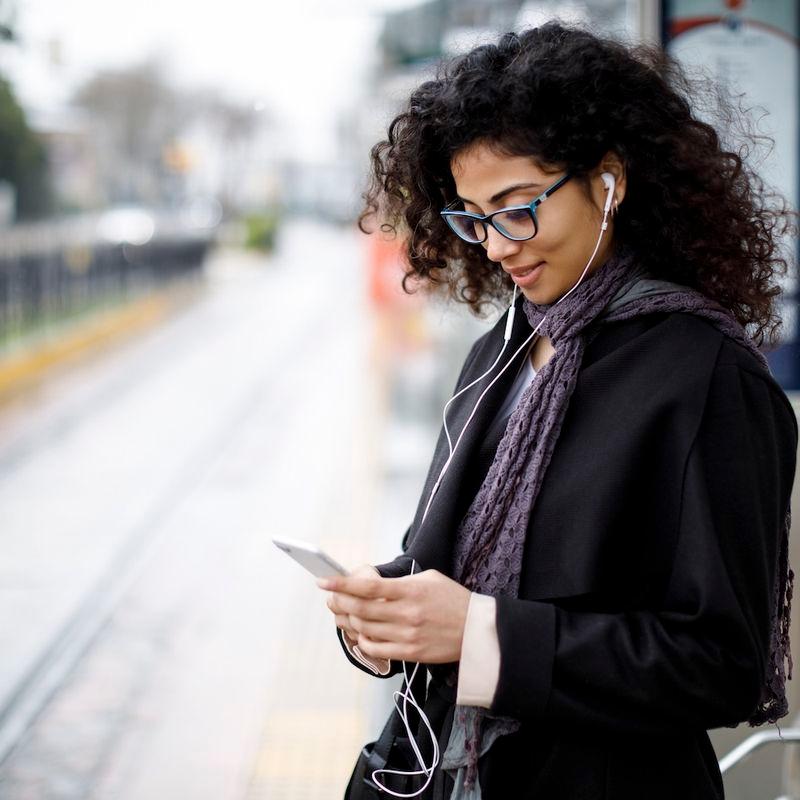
[(408, 697)]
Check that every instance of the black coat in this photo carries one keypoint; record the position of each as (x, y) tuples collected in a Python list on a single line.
[(643, 614)]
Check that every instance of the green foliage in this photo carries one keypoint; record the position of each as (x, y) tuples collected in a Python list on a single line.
[(261, 229), (23, 158)]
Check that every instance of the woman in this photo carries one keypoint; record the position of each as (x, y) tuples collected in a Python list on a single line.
[(600, 569)]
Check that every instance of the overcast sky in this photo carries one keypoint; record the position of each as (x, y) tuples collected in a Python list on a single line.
[(303, 59)]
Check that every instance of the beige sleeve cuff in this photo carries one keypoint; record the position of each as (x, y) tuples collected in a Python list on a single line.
[(380, 666), (479, 670)]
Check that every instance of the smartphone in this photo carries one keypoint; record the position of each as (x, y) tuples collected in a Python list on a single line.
[(311, 557)]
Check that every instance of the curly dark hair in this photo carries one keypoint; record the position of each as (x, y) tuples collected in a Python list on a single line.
[(694, 210)]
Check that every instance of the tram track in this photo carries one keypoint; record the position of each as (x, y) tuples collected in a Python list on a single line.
[(58, 659)]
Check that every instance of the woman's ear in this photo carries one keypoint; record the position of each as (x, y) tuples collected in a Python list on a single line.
[(613, 164)]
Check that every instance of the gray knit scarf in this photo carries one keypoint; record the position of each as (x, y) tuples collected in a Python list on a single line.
[(490, 539)]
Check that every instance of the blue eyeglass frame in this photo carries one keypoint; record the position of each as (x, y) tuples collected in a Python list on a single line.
[(448, 214)]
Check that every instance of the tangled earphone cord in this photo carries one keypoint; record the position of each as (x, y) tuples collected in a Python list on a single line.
[(408, 697)]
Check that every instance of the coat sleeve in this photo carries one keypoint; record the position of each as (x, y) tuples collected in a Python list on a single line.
[(698, 658)]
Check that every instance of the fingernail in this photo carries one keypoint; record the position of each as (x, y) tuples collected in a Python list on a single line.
[(324, 583)]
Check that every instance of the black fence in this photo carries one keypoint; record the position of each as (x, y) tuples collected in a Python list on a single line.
[(53, 271)]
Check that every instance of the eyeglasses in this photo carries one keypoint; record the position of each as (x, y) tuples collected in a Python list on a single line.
[(517, 223)]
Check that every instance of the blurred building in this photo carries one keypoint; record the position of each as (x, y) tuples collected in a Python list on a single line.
[(73, 157)]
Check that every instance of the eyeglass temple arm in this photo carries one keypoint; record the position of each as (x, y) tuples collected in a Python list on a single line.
[(547, 192)]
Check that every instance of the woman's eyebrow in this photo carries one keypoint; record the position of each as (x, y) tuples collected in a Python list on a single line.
[(500, 195)]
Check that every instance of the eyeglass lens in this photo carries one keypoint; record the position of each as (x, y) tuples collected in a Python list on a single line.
[(515, 224)]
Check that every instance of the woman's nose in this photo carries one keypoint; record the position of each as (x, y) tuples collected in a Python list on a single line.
[(498, 246)]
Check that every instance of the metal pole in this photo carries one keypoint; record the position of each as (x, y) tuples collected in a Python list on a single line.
[(754, 742), (648, 20)]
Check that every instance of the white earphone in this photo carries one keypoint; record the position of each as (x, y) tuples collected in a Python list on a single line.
[(610, 182), (407, 696)]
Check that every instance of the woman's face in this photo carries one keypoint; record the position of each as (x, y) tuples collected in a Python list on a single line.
[(569, 220)]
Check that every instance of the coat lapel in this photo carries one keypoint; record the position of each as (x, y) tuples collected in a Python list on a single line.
[(431, 542)]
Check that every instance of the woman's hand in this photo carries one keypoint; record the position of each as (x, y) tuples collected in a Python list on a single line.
[(343, 620), (416, 618)]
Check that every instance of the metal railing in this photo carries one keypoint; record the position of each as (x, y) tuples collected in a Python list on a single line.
[(755, 742), (52, 270)]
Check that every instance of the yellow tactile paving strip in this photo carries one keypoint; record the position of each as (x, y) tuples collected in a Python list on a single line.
[(20, 369), (317, 716), (307, 755)]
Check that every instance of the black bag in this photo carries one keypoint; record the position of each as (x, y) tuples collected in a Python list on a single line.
[(391, 750)]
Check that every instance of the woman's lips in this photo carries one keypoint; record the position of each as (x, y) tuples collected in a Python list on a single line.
[(526, 278)]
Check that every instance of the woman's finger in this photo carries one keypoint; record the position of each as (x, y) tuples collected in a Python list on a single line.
[(353, 636), (365, 584), (375, 610), (388, 650), (343, 621), (339, 605), (381, 631)]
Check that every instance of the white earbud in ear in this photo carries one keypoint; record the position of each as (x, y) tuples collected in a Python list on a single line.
[(610, 182)]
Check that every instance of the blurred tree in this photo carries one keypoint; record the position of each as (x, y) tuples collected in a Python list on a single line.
[(140, 116), (234, 127), (234, 122), (23, 158), (137, 114)]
